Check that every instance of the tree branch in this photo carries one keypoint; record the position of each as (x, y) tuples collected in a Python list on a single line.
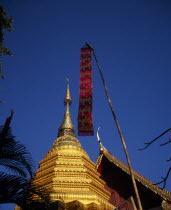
[(166, 142), (164, 179), (149, 143)]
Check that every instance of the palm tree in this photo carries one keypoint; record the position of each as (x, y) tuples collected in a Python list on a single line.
[(16, 187), (14, 158)]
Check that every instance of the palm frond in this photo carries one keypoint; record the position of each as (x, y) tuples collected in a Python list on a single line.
[(12, 188), (21, 191), (16, 187), (36, 197), (14, 151), (18, 170)]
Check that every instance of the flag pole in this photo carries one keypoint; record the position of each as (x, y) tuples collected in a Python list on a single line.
[(119, 130)]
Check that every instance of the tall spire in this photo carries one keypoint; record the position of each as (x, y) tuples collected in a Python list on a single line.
[(68, 174), (67, 127)]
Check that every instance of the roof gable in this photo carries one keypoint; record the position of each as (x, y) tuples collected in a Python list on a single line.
[(117, 176)]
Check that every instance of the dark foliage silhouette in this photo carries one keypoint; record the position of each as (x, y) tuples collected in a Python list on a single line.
[(16, 172)]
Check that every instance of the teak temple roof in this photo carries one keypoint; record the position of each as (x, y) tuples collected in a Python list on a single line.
[(163, 194)]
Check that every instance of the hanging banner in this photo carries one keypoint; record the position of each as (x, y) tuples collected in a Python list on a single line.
[(85, 122)]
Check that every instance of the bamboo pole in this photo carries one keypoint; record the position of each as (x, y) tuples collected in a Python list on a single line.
[(120, 132), (133, 203)]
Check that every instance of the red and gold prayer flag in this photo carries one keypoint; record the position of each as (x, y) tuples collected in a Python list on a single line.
[(85, 122)]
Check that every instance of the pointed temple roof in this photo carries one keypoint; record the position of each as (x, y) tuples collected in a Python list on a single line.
[(117, 177), (67, 172)]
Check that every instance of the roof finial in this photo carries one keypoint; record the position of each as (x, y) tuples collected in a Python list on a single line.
[(67, 127), (99, 140)]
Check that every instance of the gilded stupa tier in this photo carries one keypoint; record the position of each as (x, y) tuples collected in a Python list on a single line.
[(67, 171)]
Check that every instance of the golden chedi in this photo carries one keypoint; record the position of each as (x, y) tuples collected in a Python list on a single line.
[(67, 171)]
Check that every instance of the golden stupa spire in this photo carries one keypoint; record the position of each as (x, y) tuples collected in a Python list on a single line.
[(67, 172), (67, 126)]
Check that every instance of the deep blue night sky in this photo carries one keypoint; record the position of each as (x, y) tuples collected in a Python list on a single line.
[(133, 45)]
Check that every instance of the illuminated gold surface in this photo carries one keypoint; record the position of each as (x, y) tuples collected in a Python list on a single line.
[(69, 174), (67, 171), (67, 122), (68, 95)]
